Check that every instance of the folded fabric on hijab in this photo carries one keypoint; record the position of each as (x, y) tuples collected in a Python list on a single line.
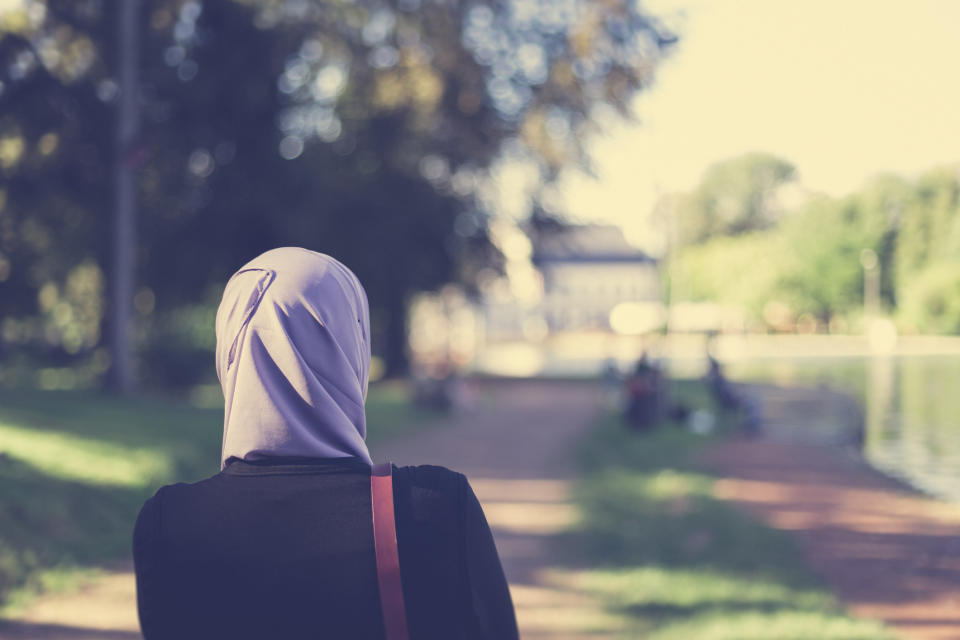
[(293, 358)]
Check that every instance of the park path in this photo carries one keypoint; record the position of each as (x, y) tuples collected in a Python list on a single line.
[(516, 447), (514, 442), (888, 552)]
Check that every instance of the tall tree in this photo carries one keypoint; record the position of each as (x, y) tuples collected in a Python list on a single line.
[(735, 196), (357, 128), (930, 222), (123, 374)]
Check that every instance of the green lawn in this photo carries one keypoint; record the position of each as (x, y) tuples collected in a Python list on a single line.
[(669, 561), (76, 466)]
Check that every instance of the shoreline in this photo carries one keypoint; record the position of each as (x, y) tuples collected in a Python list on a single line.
[(888, 550)]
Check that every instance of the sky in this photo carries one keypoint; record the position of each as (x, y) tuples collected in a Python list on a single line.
[(844, 89)]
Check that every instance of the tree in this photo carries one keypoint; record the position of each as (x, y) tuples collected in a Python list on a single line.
[(735, 196), (357, 128), (930, 222), (745, 271), (931, 302), (825, 276), (125, 196), (55, 159), (927, 246), (810, 261)]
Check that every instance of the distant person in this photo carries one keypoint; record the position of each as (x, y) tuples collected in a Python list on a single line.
[(280, 544), (643, 391), (722, 390), (612, 382), (437, 386)]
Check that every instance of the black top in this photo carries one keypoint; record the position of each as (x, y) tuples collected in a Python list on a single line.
[(284, 549)]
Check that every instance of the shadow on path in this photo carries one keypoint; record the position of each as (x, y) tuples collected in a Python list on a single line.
[(515, 446), (887, 551), (29, 631)]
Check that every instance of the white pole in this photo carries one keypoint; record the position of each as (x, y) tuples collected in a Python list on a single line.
[(871, 282)]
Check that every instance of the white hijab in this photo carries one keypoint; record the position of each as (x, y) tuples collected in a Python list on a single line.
[(293, 358)]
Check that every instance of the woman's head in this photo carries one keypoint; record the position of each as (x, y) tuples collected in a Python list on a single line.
[(293, 358)]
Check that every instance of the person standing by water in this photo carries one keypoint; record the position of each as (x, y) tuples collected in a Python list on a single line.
[(279, 544), (643, 395)]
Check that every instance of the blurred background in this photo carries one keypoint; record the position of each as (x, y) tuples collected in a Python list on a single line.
[(149, 151), (526, 188), (514, 189)]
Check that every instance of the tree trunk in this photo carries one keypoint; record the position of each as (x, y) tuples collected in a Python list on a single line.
[(122, 373), (395, 355)]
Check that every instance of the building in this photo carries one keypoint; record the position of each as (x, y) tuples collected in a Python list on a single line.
[(593, 280), (573, 299)]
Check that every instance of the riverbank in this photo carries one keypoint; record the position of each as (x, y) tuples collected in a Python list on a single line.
[(583, 354), (668, 559), (887, 551), (661, 548)]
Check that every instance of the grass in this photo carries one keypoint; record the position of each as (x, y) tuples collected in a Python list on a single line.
[(76, 466), (670, 561)]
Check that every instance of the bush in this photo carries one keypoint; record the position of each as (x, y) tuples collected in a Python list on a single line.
[(930, 301)]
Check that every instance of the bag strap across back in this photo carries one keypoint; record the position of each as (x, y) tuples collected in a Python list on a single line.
[(388, 557)]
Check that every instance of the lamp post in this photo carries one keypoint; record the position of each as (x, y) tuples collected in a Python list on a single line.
[(881, 332), (871, 282)]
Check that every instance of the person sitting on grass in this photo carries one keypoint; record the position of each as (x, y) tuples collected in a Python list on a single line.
[(280, 544)]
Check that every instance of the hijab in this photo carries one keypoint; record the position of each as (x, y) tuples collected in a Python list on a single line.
[(293, 358)]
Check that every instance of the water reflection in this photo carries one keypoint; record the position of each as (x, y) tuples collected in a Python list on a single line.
[(911, 404)]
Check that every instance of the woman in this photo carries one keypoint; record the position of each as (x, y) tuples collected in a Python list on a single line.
[(280, 544)]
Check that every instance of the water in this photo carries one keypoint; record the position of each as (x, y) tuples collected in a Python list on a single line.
[(911, 407)]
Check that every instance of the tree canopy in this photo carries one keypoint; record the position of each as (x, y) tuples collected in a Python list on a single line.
[(734, 196), (363, 129), (810, 262)]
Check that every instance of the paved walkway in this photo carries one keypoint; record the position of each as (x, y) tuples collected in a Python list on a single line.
[(514, 445), (888, 552)]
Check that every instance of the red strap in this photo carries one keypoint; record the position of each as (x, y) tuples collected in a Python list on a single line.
[(388, 558)]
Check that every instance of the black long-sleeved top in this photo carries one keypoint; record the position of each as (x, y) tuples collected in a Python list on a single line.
[(284, 549)]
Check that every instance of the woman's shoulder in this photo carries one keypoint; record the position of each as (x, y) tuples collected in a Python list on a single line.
[(176, 492), (430, 491), (429, 475), (177, 488)]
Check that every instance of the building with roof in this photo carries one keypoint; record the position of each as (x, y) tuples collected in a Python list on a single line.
[(593, 280), (577, 296)]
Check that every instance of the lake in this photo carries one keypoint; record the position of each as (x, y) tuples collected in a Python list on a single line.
[(911, 407)]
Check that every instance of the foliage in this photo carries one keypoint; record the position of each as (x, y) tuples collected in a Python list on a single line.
[(823, 274), (810, 262), (735, 196), (931, 303), (363, 129), (77, 466), (743, 270), (669, 560), (930, 227)]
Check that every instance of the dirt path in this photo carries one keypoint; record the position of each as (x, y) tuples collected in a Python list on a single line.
[(888, 552), (514, 445), (104, 609)]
